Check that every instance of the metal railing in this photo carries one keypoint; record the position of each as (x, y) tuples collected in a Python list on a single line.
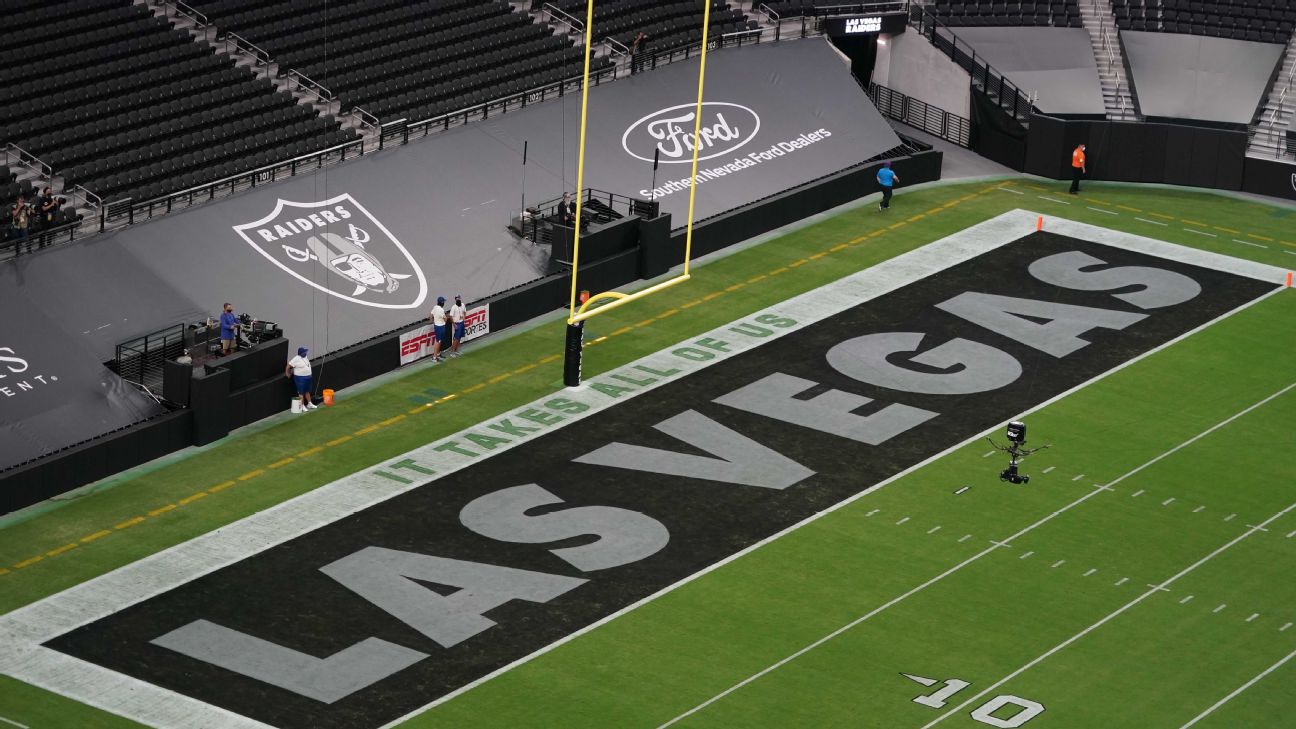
[(303, 81), (991, 82), (197, 17), (552, 14), (239, 44), (921, 115), (140, 360), (876, 7), (18, 155), (12, 247), (365, 119)]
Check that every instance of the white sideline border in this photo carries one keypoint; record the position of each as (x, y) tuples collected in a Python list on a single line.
[(22, 631)]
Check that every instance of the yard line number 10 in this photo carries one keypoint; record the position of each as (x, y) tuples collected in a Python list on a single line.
[(985, 713)]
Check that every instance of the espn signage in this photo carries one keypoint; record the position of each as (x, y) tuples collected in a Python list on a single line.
[(865, 25), (417, 343)]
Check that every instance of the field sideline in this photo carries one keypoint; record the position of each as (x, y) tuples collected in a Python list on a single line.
[(668, 645)]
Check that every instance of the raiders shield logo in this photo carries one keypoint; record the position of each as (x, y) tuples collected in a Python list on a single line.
[(336, 246)]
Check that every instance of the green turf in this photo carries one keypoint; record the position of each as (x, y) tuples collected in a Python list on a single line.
[(988, 619), (660, 660)]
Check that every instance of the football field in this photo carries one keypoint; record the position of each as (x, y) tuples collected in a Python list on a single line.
[(772, 505)]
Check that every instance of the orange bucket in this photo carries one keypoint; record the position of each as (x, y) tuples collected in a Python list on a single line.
[(328, 397)]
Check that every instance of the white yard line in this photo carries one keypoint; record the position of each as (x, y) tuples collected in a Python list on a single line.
[(1201, 232), (1154, 222), (1106, 619), (1233, 694), (1100, 210), (11, 722), (952, 570)]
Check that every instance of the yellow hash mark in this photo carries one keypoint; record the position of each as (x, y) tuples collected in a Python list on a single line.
[(737, 286), (363, 431), (161, 510), (691, 304), (482, 385), (338, 441), (192, 498), (251, 474), (919, 216), (1227, 230), (1096, 200), (524, 368), (643, 323), (3, 571), (1159, 215), (1133, 210), (394, 419), (499, 378), (60, 550), (893, 226), (220, 487), (129, 523), (1288, 243), (448, 398), (97, 535), (1194, 222), (713, 295), (1260, 237), (282, 462), (777, 271), (813, 257), (876, 233), (798, 262), (419, 409), (671, 312), (838, 247), (310, 452), (622, 330), (29, 562)]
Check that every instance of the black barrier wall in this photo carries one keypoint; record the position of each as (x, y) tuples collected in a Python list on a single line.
[(253, 387), (1138, 152), (1270, 177)]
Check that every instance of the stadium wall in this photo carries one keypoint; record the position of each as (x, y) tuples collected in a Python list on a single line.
[(252, 387), (910, 64)]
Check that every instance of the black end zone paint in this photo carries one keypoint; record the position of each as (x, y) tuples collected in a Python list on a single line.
[(280, 595)]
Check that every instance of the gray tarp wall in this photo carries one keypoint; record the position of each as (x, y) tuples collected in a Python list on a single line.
[(400, 227), (1198, 77)]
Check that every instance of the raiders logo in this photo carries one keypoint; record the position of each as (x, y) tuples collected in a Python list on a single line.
[(336, 246)]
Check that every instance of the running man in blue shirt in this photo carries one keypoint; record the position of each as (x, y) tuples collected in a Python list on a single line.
[(887, 179)]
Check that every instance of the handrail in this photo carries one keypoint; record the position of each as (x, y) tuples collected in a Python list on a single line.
[(260, 56), (983, 75), (86, 195), (570, 20), (199, 18), (304, 82), (366, 119), (921, 115), (616, 46), (30, 161), (770, 15)]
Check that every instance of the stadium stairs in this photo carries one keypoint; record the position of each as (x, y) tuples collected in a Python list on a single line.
[(1118, 97), (1279, 112)]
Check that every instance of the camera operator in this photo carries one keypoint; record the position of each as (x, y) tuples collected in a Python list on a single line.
[(48, 207), (229, 329), (19, 221)]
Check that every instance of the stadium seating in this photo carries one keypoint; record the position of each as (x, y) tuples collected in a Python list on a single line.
[(667, 24), (406, 59), (797, 8), (120, 102), (999, 13), (1266, 21)]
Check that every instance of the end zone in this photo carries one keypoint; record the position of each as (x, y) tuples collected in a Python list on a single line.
[(166, 589)]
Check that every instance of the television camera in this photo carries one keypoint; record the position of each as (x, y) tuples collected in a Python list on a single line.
[(1016, 450)]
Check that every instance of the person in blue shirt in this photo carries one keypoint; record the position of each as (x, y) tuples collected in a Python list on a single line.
[(887, 179), (229, 329)]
